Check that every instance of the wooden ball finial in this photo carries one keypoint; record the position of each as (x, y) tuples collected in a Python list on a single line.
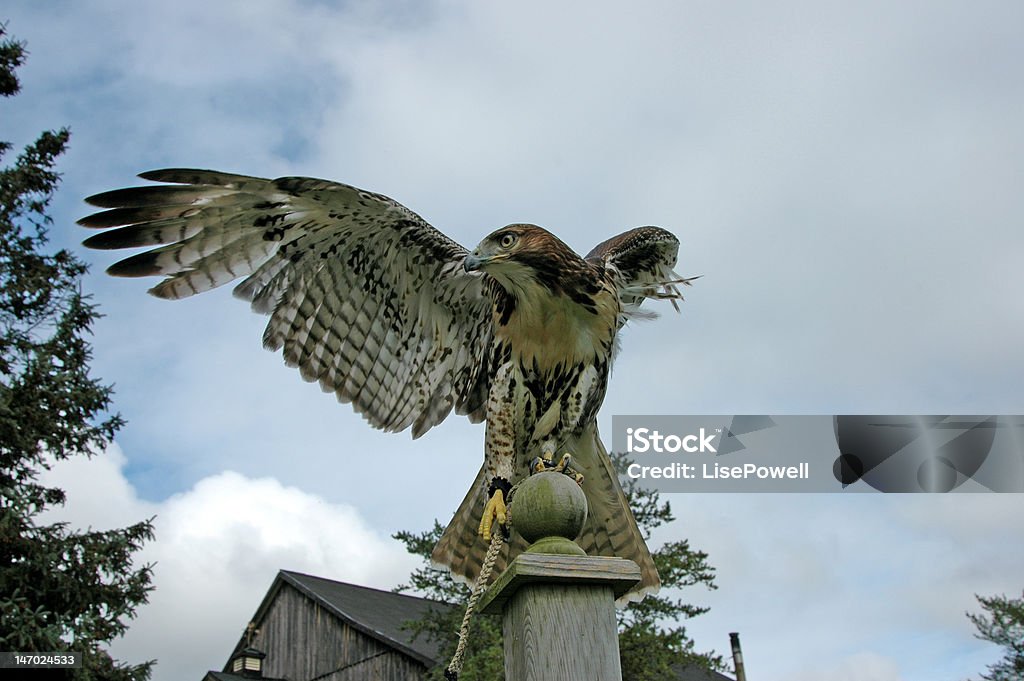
[(549, 510)]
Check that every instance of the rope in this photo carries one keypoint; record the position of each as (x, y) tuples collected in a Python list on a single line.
[(451, 673), (454, 668)]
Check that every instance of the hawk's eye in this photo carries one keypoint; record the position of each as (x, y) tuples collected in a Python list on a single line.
[(506, 240)]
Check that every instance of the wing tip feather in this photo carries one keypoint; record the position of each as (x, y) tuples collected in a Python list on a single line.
[(140, 265)]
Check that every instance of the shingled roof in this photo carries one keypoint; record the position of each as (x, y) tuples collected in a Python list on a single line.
[(684, 673)]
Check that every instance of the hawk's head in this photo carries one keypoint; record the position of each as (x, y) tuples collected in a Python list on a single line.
[(522, 256)]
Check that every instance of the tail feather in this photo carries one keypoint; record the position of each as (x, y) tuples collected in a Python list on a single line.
[(610, 529)]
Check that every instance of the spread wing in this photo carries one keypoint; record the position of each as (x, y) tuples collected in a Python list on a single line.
[(641, 263), (364, 296)]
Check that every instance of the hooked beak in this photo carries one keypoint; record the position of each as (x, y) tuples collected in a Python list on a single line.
[(472, 263)]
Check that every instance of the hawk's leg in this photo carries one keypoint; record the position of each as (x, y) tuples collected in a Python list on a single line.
[(499, 448), (495, 510)]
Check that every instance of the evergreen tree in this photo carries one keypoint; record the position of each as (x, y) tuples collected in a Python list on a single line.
[(1004, 626), (484, 657), (652, 640), (60, 590)]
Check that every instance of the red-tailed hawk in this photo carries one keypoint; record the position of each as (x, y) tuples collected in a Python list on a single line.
[(390, 315)]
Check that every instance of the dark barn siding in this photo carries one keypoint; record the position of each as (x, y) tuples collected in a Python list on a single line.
[(303, 642)]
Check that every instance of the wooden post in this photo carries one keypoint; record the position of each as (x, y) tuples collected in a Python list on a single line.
[(557, 603)]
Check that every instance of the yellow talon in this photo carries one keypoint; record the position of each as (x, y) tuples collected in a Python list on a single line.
[(494, 510)]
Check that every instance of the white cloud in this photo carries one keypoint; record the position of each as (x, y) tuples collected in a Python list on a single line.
[(218, 547)]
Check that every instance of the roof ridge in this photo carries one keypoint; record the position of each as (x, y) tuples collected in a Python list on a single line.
[(362, 587)]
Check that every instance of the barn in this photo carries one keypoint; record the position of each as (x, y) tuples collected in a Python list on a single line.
[(314, 629)]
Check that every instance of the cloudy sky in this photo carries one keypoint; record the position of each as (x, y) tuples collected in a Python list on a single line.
[(846, 176)]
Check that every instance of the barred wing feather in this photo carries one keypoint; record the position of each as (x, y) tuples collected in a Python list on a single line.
[(364, 296)]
